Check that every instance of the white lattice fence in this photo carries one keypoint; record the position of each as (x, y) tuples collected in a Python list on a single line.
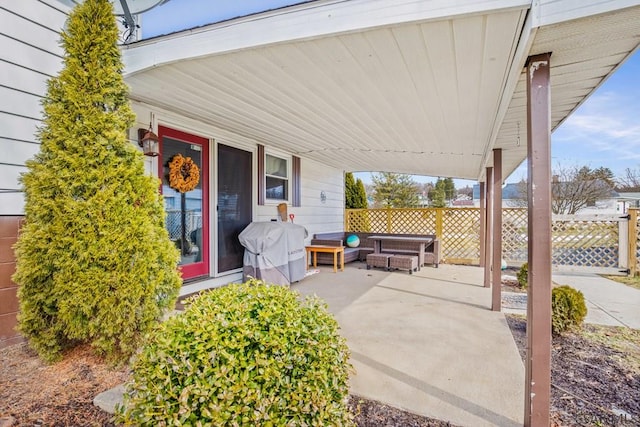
[(514, 235), (577, 240), (588, 242)]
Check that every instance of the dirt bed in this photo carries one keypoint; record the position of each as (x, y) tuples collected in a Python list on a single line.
[(35, 394), (595, 375), (593, 382)]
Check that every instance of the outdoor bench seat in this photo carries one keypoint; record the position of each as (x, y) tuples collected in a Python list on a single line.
[(431, 254), (337, 239), (404, 262), (378, 260)]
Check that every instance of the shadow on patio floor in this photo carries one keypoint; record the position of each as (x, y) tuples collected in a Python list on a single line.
[(427, 342)]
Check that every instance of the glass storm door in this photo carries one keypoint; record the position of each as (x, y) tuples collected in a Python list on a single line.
[(187, 209), (234, 204)]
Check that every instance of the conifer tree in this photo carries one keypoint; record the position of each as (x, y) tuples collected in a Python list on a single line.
[(438, 195), (360, 200), (395, 190), (94, 261), (349, 191), (449, 189)]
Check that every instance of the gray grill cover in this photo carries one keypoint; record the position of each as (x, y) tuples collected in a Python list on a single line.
[(274, 252)]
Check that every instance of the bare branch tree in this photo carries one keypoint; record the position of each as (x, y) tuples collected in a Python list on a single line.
[(521, 200), (630, 181), (574, 188)]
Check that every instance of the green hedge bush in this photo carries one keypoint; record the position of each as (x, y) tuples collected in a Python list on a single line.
[(523, 275), (246, 354), (568, 308)]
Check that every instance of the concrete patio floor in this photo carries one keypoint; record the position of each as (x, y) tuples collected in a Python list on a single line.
[(427, 342)]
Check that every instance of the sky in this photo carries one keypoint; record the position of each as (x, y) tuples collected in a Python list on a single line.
[(603, 131), (176, 15)]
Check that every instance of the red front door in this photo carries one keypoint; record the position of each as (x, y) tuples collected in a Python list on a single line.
[(187, 209)]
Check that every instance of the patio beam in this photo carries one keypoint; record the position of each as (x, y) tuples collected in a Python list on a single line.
[(496, 193), (489, 229), (538, 361), (483, 225)]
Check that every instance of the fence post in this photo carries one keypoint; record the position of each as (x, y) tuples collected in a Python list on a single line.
[(632, 241), (439, 222), (346, 220), (389, 225)]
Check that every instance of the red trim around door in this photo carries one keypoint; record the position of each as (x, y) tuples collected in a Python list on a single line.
[(201, 268)]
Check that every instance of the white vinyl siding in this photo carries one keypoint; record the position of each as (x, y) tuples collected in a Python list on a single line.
[(314, 214), (30, 55)]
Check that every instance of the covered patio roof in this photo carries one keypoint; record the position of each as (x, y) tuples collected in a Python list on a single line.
[(429, 87)]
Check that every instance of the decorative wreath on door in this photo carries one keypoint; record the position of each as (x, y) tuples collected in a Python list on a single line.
[(184, 174)]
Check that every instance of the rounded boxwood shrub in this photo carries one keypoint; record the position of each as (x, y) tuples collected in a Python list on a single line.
[(245, 354), (523, 275), (568, 308)]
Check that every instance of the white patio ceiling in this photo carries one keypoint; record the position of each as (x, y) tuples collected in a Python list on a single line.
[(420, 87)]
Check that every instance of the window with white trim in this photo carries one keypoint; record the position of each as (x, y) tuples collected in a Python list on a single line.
[(276, 178)]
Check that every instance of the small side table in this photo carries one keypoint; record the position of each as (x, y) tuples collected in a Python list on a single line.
[(335, 250)]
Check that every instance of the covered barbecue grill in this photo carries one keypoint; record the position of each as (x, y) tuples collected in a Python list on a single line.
[(274, 252)]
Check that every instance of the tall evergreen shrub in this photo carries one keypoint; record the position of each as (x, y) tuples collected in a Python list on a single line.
[(94, 261), (360, 200), (349, 191)]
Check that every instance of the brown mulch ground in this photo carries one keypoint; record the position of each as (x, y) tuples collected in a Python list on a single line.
[(589, 382), (510, 281), (592, 383), (369, 413), (35, 394)]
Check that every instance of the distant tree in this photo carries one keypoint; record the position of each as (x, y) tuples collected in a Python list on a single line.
[(630, 181), (355, 195), (349, 191), (585, 173), (94, 261), (449, 189), (466, 191), (427, 187), (439, 194), (574, 188), (521, 200), (360, 201), (395, 190)]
